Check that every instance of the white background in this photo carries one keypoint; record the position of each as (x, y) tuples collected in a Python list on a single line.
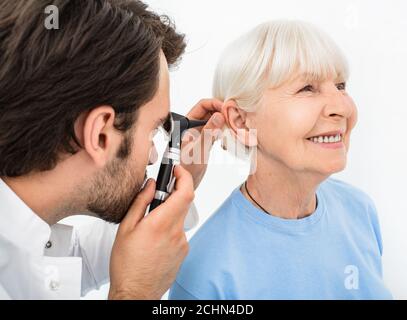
[(373, 35)]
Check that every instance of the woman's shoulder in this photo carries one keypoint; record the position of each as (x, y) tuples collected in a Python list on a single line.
[(210, 254), (216, 225), (335, 189), (357, 206)]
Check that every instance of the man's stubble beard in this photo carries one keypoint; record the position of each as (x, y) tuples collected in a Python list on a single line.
[(114, 189)]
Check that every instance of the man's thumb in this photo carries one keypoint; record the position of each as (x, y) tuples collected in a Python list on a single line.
[(139, 205)]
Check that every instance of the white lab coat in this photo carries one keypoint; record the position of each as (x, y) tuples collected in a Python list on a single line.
[(42, 262)]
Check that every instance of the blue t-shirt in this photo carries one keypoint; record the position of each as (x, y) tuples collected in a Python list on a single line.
[(243, 253)]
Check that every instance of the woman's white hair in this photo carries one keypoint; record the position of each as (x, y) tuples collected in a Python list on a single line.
[(269, 55)]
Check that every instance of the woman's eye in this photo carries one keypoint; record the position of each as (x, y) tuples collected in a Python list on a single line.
[(308, 88), (341, 86)]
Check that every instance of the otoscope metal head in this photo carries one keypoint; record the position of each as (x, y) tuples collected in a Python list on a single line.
[(180, 124), (184, 123)]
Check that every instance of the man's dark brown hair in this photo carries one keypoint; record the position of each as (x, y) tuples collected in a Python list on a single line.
[(105, 52)]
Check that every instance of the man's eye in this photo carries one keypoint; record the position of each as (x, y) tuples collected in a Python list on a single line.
[(307, 88), (167, 126), (341, 86), (164, 132), (155, 131)]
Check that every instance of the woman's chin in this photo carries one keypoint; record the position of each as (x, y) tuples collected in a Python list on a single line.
[(332, 167)]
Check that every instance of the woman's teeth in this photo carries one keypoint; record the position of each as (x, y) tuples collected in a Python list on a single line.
[(326, 139)]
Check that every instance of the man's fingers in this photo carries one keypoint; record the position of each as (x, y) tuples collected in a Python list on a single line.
[(201, 142), (175, 208), (139, 205), (214, 126), (209, 134), (183, 183), (212, 130), (205, 108)]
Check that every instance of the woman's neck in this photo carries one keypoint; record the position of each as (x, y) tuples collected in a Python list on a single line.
[(281, 191)]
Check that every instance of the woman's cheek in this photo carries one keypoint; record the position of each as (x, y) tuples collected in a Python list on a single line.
[(302, 122), (354, 118)]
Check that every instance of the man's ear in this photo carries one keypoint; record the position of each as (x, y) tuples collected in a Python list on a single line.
[(236, 121), (99, 137)]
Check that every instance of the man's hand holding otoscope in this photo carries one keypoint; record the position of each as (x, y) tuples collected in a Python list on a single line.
[(149, 250), (176, 127)]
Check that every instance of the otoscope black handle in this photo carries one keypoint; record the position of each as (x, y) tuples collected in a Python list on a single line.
[(165, 180), (154, 204)]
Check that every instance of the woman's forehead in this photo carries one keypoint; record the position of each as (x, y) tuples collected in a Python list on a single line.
[(301, 77)]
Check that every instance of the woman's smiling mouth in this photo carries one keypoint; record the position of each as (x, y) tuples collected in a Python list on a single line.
[(330, 140)]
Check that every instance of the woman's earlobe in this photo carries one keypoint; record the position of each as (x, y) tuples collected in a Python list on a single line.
[(252, 138), (247, 137)]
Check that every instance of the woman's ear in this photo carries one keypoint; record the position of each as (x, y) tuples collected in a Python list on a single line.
[(99, 137), (236, 121)]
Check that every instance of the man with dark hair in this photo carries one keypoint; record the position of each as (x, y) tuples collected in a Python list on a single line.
[(78, 105)]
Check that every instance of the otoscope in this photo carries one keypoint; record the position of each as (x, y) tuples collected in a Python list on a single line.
[(172, 157)]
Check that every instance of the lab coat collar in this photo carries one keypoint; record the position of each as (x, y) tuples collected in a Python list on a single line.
[(20, 225)]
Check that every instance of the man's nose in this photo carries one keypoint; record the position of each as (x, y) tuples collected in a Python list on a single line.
[(153, 157)]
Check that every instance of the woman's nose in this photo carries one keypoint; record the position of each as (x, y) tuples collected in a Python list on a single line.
[(338, 105)]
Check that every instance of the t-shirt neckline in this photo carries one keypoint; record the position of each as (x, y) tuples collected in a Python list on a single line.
[(260, 216)]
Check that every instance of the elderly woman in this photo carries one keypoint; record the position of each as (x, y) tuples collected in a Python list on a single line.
[(289, 231)]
